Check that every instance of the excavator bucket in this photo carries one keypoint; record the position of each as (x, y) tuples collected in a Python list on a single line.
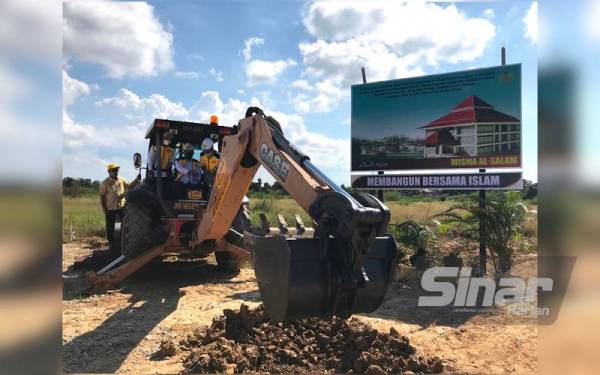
[(295, 280)]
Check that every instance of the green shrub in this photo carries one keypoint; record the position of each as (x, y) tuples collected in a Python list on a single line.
[(502, 216), (392, 196), (416, 237)]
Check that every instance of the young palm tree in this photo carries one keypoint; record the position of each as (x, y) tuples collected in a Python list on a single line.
[(416, 237), (503, 217)]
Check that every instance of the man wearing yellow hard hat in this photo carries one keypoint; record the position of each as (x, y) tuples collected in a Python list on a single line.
[(112, 198)]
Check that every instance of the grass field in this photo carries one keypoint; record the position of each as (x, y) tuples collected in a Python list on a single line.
[(84, 215)]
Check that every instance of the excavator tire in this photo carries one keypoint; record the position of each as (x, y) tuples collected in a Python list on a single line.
[(227, 261), (136, 228)]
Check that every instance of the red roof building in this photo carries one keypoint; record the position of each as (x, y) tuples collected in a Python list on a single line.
[(442, 137), (472, 110), (473, 127)]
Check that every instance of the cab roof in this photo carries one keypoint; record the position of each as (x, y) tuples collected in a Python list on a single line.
[(183, 131)]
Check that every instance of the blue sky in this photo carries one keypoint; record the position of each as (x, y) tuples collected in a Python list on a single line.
[(124, 64)]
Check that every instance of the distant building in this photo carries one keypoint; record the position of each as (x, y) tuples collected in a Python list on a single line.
[(472, 128)]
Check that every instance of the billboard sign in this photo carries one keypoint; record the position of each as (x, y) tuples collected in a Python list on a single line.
[(458, 181), (467, 119)]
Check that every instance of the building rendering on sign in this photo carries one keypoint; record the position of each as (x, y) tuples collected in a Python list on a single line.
[(472, 128)]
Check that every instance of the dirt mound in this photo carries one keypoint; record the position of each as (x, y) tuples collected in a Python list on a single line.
[(245, 341)]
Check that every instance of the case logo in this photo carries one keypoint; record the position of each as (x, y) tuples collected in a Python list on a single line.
[(275, 162)]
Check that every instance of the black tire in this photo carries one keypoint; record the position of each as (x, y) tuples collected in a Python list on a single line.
[(136, 228), (115, 245), (227, 261)]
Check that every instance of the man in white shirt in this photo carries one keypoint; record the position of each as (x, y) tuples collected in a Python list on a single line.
[(183, 167)]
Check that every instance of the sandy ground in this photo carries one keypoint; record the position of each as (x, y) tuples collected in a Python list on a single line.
[(120, 331)]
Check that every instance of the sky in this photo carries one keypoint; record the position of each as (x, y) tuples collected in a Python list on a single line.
[(126, 63)]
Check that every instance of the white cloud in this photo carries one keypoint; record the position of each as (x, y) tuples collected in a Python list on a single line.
[(210, 103), (330, 154), (390, 39), (14, 86), (531, 23), (144, 110), (338, 66), (313, 104), (301, 84), (489, 13), (434, 33), (259, 72), (217, 74), (337, 162), (24, 121), (76, 135), (72, 89), (31, 28), (248, 44), (117, 131), (187, 75), (88, 148), (126, 38), (592, 19), (130, 115)]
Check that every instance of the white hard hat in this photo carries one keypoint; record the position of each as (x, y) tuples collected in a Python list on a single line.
[(207, 144)]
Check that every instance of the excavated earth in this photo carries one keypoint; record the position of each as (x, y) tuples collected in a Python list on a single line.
[(246, 341)]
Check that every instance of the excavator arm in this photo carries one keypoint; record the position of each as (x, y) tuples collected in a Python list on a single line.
[(344, 269), (241, 155)]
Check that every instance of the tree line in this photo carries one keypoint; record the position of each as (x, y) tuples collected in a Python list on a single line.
[(73, 186)]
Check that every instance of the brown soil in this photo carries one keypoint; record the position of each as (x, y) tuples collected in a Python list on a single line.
[(246, 341), (147, 325)]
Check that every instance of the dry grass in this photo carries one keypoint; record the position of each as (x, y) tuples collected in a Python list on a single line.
[(400, 211), (84, 215), (416, 211), (271, 207)]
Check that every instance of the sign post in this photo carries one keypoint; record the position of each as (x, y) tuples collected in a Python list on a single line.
[(482, 234), (482, 231)]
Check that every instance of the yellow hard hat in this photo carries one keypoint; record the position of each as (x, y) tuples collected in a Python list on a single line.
[(112, 166)]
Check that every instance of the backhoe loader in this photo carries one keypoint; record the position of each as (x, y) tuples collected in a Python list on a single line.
[(342, 269)]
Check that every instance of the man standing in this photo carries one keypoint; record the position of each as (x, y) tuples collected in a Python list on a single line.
[(209, 162), (112, 198)]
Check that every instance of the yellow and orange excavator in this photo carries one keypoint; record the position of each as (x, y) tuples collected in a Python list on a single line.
[(344, 268)]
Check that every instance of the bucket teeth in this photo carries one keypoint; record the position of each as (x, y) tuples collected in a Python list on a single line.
[(283, 228), (264, 223), (300, 229)]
